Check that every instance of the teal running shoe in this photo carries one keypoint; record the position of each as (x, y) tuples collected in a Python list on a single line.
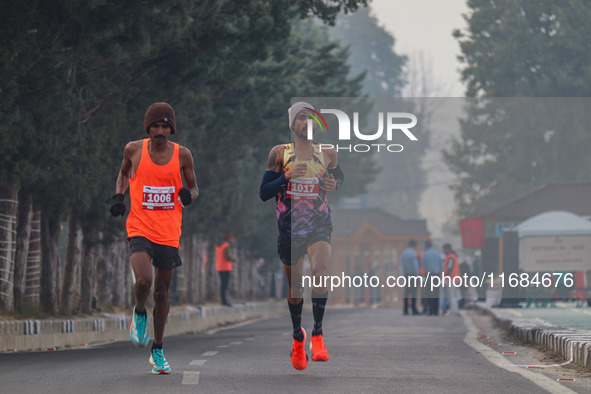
[(159, 364), (138, 332)]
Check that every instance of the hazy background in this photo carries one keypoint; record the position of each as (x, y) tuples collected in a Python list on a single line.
[(422, 30), (425, 26)]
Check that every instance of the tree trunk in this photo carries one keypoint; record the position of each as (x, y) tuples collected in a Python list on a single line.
[(50, 263), (211, 280), (129, 299), (197, 276), (23, 237), (8, 212), (240, 269), (104, 273), (244, 278), (119, 285), (70, 297), (184, 273), (33, 272), (88, 277)]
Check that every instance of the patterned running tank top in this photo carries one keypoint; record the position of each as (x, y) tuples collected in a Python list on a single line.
[(302, 207)]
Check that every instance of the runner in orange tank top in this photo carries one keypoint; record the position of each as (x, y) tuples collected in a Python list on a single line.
[(152, 169)]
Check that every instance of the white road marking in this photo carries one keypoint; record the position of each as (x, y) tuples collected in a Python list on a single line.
[(190, 377), (210, 353), (230, 326), (197, 362), (497, 359), (249, 339), (236, 343), (223, 346)]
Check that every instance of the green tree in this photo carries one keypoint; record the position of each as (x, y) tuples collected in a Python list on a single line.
[(535, 48), (512, 145), (400, 183), (77, 79), (371, 52), (508, 146), (230, 159)]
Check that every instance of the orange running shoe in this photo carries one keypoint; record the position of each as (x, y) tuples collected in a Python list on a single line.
[(299, 358), (319, 352)]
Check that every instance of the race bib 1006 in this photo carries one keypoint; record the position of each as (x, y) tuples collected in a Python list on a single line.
[(158, 198), (303, 188)]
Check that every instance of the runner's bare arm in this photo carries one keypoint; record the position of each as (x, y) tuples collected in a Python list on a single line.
[(187, 167), (126, 166), (275, 159)]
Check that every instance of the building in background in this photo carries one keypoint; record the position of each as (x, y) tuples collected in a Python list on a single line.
[(370, 241), (571, 197)]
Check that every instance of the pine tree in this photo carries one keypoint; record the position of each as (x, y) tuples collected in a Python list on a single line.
[(508, 146)]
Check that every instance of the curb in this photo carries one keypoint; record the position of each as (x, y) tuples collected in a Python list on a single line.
[(49, 335), (564, 342)]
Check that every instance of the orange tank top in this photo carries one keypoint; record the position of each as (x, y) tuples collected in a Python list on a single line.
[(455, 268), (222, 262), (155, 210)]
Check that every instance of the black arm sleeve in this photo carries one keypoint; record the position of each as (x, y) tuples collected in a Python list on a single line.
[(271, 184), (337, 173)]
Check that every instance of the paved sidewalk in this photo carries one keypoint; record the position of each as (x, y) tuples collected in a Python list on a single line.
[(565, 314), (546, 327)]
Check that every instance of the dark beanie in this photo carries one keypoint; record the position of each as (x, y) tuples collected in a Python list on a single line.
[(160, 112)]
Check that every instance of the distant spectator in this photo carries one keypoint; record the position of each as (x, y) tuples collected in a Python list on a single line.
[(410, 267), (451, 269), (225, 256), (477, 271), (433, 265)]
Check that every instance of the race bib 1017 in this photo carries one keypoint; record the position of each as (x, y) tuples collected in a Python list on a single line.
[(303, 188)]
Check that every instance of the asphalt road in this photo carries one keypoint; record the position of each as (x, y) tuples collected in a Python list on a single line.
[(371, 350)]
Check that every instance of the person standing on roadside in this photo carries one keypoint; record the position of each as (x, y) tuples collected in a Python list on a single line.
[(225, 257), (410, 268), (451, 269), (433, 265)]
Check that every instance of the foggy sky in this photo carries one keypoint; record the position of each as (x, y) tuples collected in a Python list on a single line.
[(426, 26)]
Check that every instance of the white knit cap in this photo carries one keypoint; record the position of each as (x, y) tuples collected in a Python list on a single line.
[(295, 109)]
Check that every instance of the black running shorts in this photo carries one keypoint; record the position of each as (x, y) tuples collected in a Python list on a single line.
[(292, 248), (164, 257)]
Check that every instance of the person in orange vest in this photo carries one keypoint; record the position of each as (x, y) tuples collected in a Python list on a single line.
[(225, 256), (451, 269), (153, 169)]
